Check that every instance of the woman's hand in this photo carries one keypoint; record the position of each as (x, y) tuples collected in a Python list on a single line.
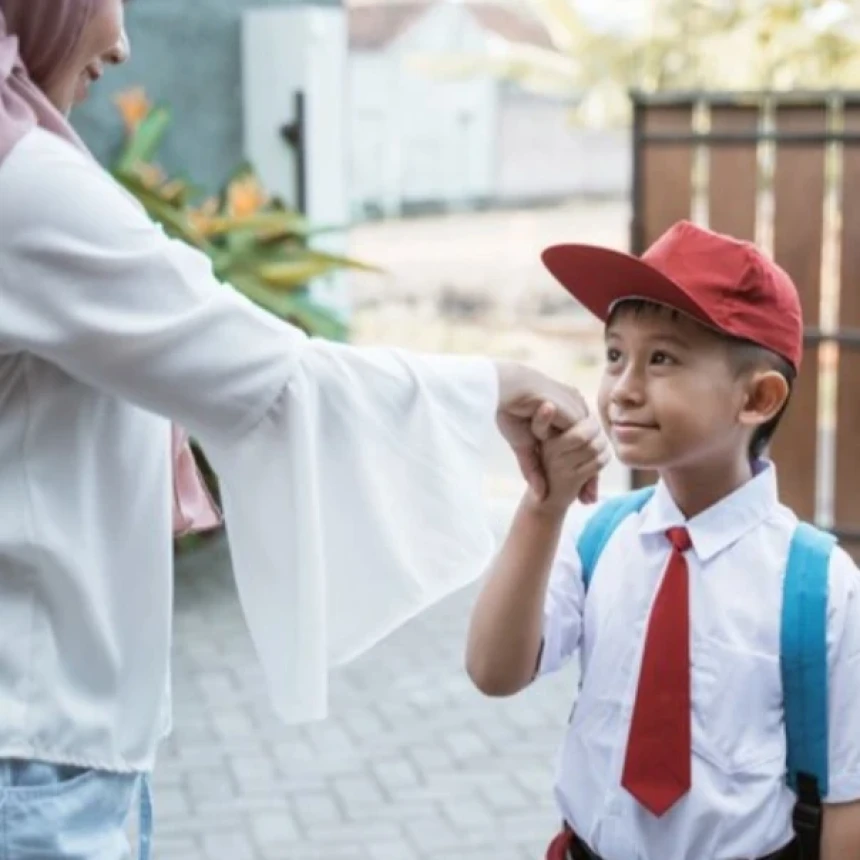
[(523, 392)]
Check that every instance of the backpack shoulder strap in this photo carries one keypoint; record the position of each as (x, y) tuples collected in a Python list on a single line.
[(803, 660), (599, 528)]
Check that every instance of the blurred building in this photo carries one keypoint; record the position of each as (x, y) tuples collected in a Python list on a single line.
[(403, 140), (419, 142)]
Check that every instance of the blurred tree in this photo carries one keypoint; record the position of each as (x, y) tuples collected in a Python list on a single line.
[(682, 45)]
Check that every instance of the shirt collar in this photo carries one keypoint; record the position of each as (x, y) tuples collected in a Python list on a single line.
[(724, 523)]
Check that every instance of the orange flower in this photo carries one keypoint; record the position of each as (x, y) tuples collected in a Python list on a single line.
[(134, 107), (200, 218), (150, 175), (245, 197), (173, 190)]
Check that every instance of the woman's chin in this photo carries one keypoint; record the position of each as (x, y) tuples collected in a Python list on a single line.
[(82, 91)]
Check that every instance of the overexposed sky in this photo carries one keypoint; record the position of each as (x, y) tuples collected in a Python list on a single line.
[(615, 14), (634, 13)]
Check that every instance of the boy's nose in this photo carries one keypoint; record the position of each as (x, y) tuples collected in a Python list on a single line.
[(628, 390)]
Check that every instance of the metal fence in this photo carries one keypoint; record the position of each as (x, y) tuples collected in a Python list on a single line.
[(781, 169)]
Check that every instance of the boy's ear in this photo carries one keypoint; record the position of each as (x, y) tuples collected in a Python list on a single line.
[(767, 392)]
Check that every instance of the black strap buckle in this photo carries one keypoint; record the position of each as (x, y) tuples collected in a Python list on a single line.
[(807, 817)]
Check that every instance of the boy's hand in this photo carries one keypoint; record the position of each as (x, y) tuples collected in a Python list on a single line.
[(571, 460), (523, 391)]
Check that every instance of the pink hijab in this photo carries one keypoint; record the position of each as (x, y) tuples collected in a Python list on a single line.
[(37, 37)]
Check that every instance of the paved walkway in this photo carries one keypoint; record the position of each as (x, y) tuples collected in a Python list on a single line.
[(413, 763)]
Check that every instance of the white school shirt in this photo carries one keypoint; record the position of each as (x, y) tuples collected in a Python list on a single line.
[(351, 478), (739, 806)]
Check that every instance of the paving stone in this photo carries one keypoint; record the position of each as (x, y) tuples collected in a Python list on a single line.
[(313, 810), (394, 775), (177, 848), (397, 849), (171, 803), (273, 830), (235, 844)]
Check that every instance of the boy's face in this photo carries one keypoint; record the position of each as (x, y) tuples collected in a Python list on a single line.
[(669, 396)]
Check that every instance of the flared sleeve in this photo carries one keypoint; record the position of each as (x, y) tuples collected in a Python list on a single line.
[(353, 505), (351, 477)]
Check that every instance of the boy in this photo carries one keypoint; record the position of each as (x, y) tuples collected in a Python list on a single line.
[(676, 749)]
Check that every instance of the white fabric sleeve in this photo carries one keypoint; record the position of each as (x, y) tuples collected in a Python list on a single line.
[(565, 597), (843, 648), (352, 478), (355, 504)]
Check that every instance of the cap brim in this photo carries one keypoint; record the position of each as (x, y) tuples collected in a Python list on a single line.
[(599, 278)]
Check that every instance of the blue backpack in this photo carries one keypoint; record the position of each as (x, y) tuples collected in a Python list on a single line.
[(803, 652)]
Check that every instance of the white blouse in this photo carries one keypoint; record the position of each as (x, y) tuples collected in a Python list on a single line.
[(351, 477)]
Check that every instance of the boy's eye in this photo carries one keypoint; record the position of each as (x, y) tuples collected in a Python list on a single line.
[(613, 354), (661, 357)]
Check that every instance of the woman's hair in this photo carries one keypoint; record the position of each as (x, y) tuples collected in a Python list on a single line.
[(37, 40), (48, 31)]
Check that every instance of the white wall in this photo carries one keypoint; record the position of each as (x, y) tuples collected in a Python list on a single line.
[(415, 138), (418, 139), (301, 48), (374, 132), (542, 154)]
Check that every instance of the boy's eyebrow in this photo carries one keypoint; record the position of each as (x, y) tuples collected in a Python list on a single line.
[(675, 339), (668, 337)]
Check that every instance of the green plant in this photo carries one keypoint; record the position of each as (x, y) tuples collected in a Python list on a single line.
[(256, 244)]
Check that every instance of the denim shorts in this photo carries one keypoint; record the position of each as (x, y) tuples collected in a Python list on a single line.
[(55, 812)]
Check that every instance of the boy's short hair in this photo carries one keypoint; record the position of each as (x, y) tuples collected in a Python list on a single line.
[(744, 356)]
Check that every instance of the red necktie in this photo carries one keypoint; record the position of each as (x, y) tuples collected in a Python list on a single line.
[(658, 762), (561, 846)]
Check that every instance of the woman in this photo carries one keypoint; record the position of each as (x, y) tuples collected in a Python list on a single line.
[(351, 487)]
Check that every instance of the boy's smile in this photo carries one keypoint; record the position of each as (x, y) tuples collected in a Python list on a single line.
[(630, 431), (669, 396)]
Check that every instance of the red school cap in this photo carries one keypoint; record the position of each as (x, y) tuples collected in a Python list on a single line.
[(726, 284)]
